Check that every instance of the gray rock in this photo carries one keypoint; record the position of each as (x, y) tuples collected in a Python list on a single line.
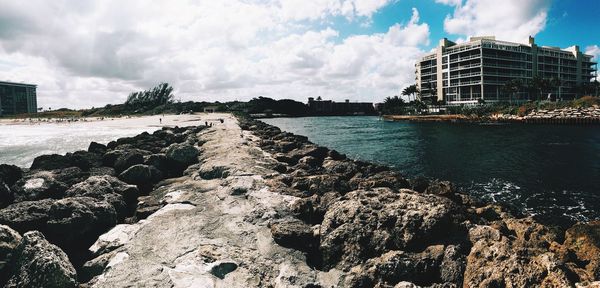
[(9, 241), (182, 155), (39, 185), (41, 264), (363, 224), (6, 195), (397, 266), (122, 196), (127, 159), (72, 223), (10, 174), (141, 174)]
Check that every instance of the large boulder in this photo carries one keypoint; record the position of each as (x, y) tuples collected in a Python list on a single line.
[(39, 185), (72, 223), (393, 267), (70, 175), (10, 174), (141, 174), (182, 155), (517, 255), (294, 234), (96, 147), (121, 159), (9, 241), (51, 162), (122, 196), (128, 159), (345, 168), (41, 264), (582, 243), (365, 224)]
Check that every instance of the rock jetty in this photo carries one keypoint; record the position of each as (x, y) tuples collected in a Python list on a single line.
[(590, 115), (244, 204)]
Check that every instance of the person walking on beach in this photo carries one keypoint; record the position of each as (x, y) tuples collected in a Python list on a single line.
[(160, 120)]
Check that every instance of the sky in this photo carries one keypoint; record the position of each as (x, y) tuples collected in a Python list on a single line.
[(84, 53)]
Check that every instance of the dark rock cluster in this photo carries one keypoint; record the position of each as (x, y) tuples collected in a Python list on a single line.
[(64, 202), (384, 230)]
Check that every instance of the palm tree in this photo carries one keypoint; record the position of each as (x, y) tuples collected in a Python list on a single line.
[(410, 91), (513, 87)]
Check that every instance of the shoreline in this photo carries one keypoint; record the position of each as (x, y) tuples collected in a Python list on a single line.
[(264, 207)]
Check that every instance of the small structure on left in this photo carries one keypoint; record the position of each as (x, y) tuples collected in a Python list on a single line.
[(17, 98)]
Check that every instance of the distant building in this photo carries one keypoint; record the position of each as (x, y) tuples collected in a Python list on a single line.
[(211, 109), (17, 98), (328, 107), (469, 72)]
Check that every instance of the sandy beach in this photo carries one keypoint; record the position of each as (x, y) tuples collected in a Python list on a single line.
[(22, 140)]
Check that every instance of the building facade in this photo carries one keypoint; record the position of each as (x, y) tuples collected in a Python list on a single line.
[(17, 98), (328, 107), (476, 71)]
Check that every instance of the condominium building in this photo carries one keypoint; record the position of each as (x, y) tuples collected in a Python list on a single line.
[(17, 98), (477, 70)]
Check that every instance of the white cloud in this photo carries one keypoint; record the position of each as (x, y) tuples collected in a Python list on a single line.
[(593, 50), (512, 20), (450, 2), (90, 53)]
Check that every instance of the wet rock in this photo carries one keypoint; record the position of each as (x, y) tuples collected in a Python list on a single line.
[(441, 188), (97, 148), (335, 155), (120, 195), (583, 241), (41, 264), (364, 224), (10, 174), (9, 241), (39, 185), (396, 266), (419, 184)]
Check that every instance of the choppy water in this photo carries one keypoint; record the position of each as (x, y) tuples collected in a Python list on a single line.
[(552, 172)]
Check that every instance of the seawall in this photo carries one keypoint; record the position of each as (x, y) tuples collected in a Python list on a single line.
[(258, 207)]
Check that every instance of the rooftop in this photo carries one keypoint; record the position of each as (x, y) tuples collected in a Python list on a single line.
[(17, 84)]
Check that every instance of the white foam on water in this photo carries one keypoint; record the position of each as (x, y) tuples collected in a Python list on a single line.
[(21, 142)]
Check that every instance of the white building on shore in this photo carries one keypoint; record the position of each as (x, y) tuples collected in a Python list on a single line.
[(477, 70)]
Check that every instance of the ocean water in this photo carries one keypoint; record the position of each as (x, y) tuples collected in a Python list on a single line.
[(551, 172), (21, 142)]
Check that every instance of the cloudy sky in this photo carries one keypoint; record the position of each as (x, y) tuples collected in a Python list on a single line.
[(84, 53)]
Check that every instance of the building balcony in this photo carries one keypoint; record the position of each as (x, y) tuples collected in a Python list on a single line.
[(465, 66)]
